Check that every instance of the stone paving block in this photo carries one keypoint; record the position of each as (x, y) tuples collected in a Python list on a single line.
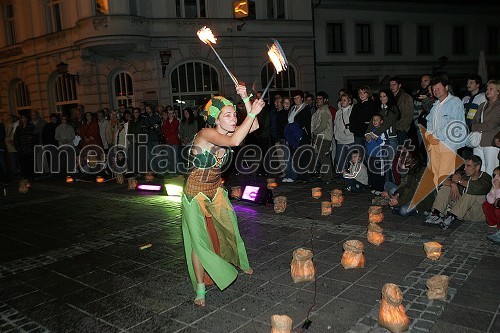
[(471, 318), (221, 321), (128, 317)]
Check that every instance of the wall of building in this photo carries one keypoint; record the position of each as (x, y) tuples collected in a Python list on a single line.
[(336, 70), (96, 47)]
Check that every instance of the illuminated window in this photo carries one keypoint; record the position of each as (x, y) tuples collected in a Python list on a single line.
[(190, 8), (54, 16), (193, 83), (10, 26), (123, 90), (284, 83), (101, 7)]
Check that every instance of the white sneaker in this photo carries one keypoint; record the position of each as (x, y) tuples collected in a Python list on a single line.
[(433, 219), (287, 180)]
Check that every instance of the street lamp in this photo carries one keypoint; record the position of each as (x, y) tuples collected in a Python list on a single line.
[(62, 69), (164, 59)]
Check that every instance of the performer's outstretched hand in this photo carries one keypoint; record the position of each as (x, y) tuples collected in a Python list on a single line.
[(242, 91), (257, 106)]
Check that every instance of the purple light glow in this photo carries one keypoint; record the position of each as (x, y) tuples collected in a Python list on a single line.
[(149, 187), (250, 193)]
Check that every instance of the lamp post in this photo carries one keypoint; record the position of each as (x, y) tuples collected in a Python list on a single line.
[(62, 69), (164, 60)]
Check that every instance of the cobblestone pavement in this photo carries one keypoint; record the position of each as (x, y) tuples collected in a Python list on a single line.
[(71, 261)]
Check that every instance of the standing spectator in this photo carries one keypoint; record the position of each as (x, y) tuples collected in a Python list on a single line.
[(447, 111), (361, 115), (49, 130), (342, 132), (25, 139), (376, 165), (9, 140), (39, 123), (301, 116), (421, 94), (389, 110), (151, 125), (188, 126), (278, 106), (262, 136), (405, 105), (65, 134), (309, 99), (103, 125), (487, 121), (89, 131), (170, 130), (241, 113), (4, 169), (322, 131), (111, 129), (134, 130), (474, 98)]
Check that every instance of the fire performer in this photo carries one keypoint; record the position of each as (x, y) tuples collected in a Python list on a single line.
[(212, 241)]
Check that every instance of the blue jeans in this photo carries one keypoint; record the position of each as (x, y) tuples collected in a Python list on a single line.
[(390, 187), (290, 170)]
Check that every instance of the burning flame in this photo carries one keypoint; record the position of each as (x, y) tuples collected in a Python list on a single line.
[(206, 35), (277, 57)]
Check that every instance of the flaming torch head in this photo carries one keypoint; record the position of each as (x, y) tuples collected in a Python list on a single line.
[(277, 57), (206, 35)]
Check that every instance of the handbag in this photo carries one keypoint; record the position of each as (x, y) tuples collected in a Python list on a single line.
[(474, 138)]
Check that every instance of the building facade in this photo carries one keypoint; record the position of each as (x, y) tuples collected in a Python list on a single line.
[(109, 53), (367, 42)]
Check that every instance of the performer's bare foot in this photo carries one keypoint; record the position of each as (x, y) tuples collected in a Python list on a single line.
[(249, 272), (200, 295)]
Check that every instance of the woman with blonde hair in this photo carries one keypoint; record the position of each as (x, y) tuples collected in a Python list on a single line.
[(487, 122)]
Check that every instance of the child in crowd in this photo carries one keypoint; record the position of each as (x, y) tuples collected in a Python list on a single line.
[(491, 206), (376, 165), (356, 177)]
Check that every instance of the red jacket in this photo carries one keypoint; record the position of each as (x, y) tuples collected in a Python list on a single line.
[(170, 131)]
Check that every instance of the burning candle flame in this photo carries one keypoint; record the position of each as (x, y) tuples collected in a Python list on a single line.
[(206, 35)]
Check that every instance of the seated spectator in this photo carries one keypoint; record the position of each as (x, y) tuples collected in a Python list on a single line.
[(465, 195), (401, 196), (356, 178), (491, 206)]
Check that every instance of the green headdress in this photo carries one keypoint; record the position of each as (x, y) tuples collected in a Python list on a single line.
[(212, 109)]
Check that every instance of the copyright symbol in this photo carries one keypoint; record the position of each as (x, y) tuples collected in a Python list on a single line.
[(457, 131)]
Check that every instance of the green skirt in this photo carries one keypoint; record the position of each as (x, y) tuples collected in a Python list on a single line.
[(196, 237)]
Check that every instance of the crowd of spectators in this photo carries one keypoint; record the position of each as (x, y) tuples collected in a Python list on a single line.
[(379, 141)]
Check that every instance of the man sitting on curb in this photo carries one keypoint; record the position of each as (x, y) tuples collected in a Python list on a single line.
[(465, 195)]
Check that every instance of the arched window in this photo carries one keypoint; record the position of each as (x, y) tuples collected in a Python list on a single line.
[(284, 82), (123, 90), (193, 83), (64, 90), (22, 97)]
